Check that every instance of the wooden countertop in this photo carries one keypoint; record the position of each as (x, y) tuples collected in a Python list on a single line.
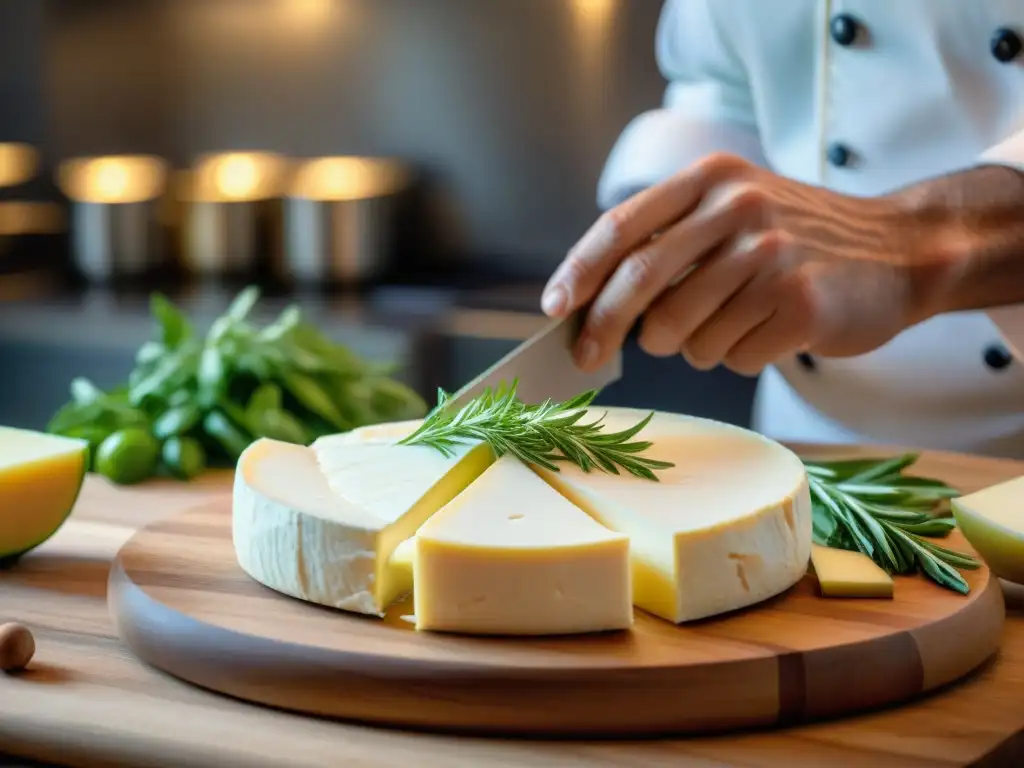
[(87, 701)]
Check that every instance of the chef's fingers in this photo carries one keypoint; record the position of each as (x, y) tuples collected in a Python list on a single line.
[(752, 305), (779, 314), (629, 226), (785, 332), (677, 313), (646, 273)]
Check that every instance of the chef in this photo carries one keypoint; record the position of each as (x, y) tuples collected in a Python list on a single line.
[(832, 197)]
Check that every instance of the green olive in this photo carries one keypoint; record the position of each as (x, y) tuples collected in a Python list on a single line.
[(128, 456), (184, 457)]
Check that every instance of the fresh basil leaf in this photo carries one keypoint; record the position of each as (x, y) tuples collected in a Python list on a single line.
[(342, 361), (84, 391), (227, 434), (176, 421), (174, 327), (212, 376), (149, 353), (395, 401), (235, 412), (311, 395), (243, 303), (278, 424), (72, 415), (289, 318), (172, 372), (180, 396), (265, 397)]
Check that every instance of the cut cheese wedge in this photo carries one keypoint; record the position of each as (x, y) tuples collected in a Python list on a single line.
[(511, 556), (41, 476), (354, 519), (321, 522), (842, 573), (992, 520), (727, 527)]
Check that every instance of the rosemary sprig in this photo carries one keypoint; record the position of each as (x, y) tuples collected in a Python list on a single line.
[(865, 505), (870, 506), (541, 434)]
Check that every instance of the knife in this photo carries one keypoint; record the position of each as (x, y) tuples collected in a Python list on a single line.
[(545, 368)]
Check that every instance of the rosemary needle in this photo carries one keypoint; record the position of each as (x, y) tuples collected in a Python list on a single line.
[(541, 434), (865, 505)]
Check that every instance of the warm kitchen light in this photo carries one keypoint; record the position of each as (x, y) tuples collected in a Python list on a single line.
[(307, 12), (348, 178), (236, 177), (594, 13), (114, 179), (18, 163), (27, 218)]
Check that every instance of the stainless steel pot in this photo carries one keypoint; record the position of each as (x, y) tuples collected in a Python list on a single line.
[(339, 220), (115, 214), (229, 208), (109, 241)]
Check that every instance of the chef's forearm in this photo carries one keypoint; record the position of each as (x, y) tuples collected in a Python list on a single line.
[(968, 229)]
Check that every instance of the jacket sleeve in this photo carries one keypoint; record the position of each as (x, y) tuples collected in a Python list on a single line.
[(1009, 320), (707, 106)]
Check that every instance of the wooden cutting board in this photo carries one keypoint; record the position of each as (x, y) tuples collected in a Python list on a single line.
[(181, 603), (86, 700)]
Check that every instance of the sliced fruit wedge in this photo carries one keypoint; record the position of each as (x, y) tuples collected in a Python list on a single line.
[(992, 520), (41, 476)]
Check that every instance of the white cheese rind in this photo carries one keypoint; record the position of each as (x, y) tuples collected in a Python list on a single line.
[(295, 532), (511, 556), (401, 486), (291, 534), (727, 527)]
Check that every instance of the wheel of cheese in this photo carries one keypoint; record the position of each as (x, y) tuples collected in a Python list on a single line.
[(728, 526)]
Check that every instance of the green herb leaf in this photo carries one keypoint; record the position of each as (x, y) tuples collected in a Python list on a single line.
[(174, 326), (243, 303), (541, 434), (870, 506), (176, 421), (209, 397)]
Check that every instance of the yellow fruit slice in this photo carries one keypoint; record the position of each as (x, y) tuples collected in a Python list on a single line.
[(40, 478), (992, 520)]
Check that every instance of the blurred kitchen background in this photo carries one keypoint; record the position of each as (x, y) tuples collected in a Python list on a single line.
[(410, 171)]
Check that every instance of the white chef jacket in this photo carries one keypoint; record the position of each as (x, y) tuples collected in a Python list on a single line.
[(862, 97)]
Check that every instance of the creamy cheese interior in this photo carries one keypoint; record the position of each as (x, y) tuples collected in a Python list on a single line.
[(510, 555), (728, 526), (402, 486)]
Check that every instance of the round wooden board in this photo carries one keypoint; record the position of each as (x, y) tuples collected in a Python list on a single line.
[(182, 604)]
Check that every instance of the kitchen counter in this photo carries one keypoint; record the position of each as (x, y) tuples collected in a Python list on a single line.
[(86, 700)]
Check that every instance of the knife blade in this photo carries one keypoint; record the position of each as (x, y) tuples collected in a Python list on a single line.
[(544, 366)]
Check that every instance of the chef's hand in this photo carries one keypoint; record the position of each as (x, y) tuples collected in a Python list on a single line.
[(777, 267)]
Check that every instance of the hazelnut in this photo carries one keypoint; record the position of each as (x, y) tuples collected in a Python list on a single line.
[(17, 646)]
